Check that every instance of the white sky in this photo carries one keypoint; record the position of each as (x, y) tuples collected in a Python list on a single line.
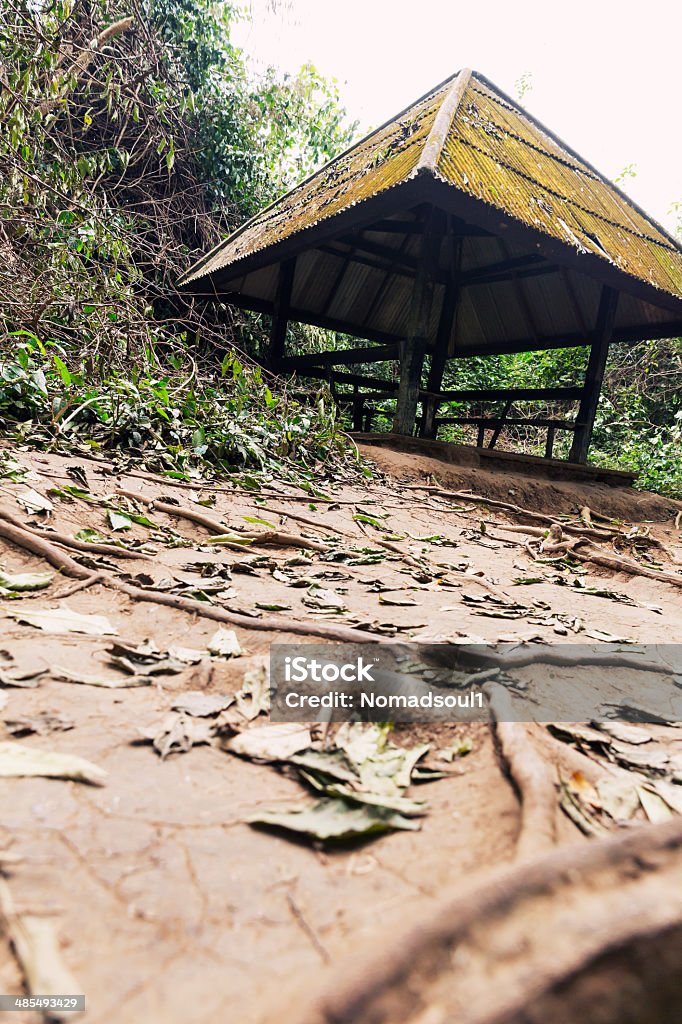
[(606, 75)]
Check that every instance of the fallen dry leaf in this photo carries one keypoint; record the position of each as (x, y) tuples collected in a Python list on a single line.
[(18, 760)]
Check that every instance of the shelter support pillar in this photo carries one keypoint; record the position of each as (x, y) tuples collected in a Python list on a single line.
[(280, 314), (599, 351), (413, 347), (440, 353)]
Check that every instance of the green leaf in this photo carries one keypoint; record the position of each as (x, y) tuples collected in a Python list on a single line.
[(118, 520)]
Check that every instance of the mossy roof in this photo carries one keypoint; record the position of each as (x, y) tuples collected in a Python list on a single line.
[(466, 134)]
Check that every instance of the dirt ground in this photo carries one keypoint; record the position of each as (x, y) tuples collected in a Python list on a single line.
[(167, 905)]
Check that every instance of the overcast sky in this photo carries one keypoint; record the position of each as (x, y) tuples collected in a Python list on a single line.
[(606, 76)]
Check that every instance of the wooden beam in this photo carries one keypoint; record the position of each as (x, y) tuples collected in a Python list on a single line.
[(342, 357), (445, 325), (280, 313), (388, 278), (412, 349), (512, 421), (599, 351), (500, 423), (502, 267), (359, 379), (515, 394)]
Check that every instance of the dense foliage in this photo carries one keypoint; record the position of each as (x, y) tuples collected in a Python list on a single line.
[(132, 138)]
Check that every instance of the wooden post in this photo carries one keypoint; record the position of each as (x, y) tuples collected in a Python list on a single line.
[(595, 374), (280, 314), (549, 444), (413, 347), (358, 408), (500, 423), (440, 354)]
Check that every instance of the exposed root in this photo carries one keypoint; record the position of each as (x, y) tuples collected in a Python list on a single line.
[(580, 549), (45, 549), (455, 574), (66, 564), (529, 772), (555, 952), (476, 499), (216, 528), (92, 547)]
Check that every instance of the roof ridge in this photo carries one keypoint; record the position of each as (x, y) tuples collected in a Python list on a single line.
[(433, 147)]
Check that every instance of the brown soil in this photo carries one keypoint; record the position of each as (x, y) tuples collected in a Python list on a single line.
[(169, 907)]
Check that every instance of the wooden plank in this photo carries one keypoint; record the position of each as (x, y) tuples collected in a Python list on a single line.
[(513, 421), (280, 313), (412, 349), (388, 277), (445, 325), (505, 267), (599, 351)]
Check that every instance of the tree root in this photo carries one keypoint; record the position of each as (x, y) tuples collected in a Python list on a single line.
[(590, 554), (591, 931), (619, 564), (303, 627), (216, 528), (60, 560), (585, 531), (461, 577), (529, 772), (62, 539), (45, 549)]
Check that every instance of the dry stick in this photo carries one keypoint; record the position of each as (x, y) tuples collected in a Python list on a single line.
[(69, 567), (70, 542), (216, 528)]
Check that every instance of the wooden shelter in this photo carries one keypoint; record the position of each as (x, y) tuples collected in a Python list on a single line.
[(461, 227)]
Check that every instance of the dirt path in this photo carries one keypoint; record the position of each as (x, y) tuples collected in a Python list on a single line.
[(167, 906)]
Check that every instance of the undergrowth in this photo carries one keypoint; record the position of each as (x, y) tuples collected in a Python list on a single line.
[(182, 426)]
